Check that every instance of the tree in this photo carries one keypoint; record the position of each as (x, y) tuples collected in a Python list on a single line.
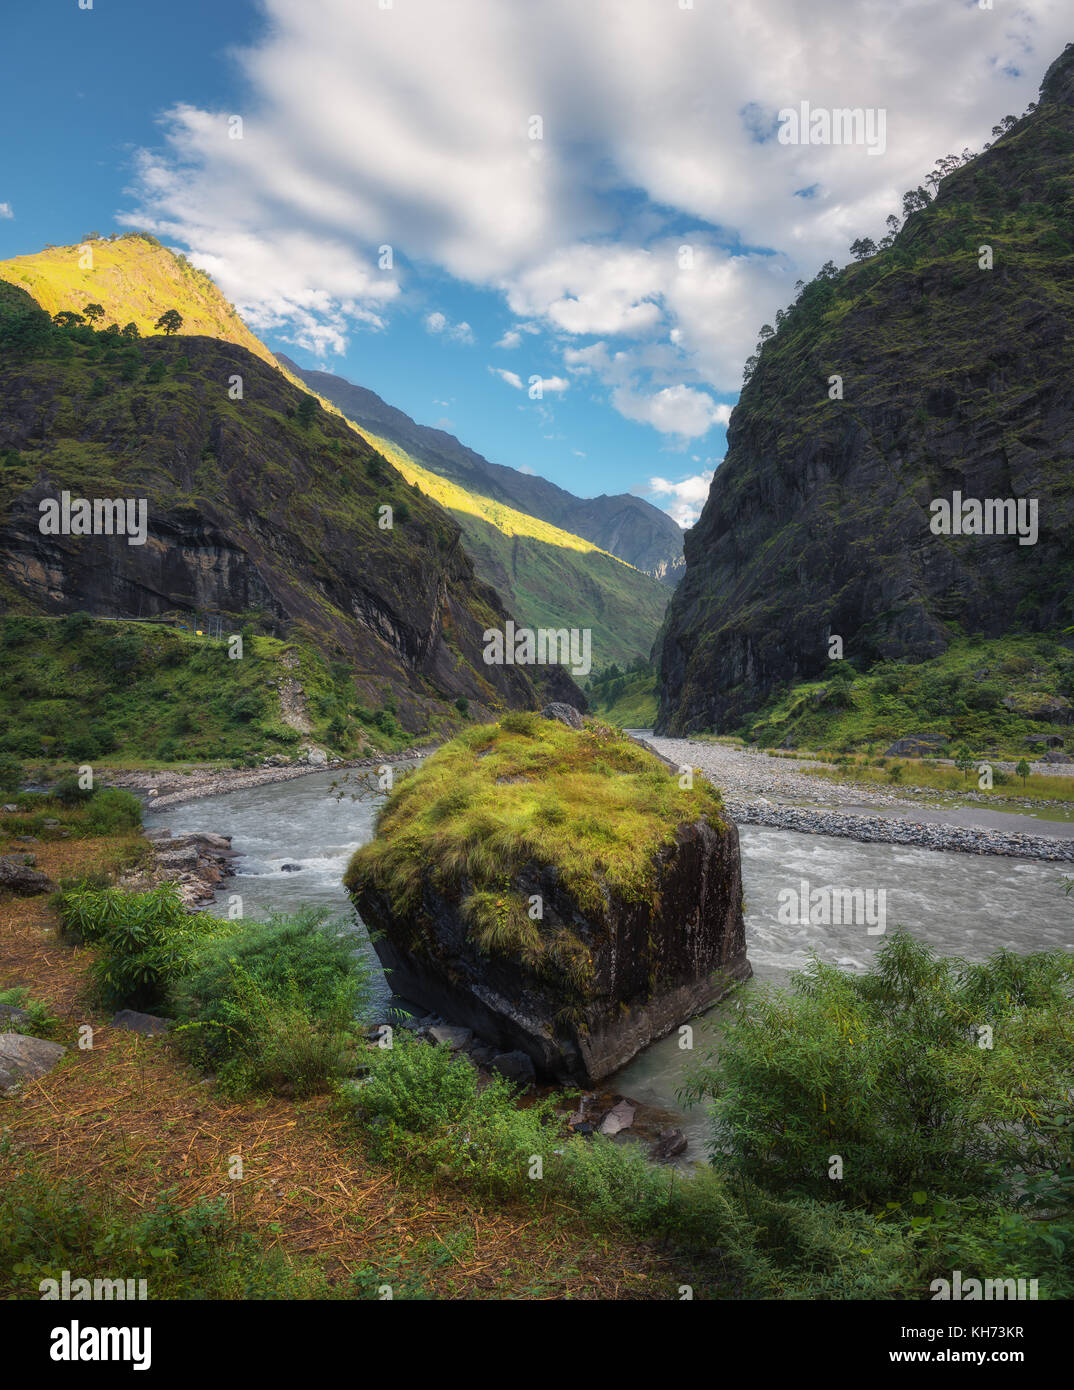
[(863, 248), (914, 200), (130, 330), (94, 312), (964, 760), (307, 409), (66, 319), (170, 322), (1023, 770)]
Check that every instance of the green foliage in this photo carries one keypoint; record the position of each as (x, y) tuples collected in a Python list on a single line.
[(196, 1252), (890, 1071), (147, 941), (275, 1006)]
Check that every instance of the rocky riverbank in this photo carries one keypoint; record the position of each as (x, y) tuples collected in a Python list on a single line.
[(748, 781), (171, 788)]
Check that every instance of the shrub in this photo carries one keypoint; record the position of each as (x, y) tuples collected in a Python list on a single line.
[(147, 941), (275, 1006), (886, 1070), (11, 777), (111, 810)]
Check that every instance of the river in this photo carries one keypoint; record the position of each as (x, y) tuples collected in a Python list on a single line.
[(963, 904)]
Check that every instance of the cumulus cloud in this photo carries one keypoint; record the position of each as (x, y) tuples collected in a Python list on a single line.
[(656, 212), (5, 211), (687, 496), (512, 378)]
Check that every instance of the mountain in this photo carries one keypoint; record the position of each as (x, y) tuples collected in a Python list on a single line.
[(545, 576), (259, 505), (956, 379), (626, 526)]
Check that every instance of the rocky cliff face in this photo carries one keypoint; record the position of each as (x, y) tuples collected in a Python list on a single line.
[(626, 526), (955, 379), (613, 962), (248, 509)]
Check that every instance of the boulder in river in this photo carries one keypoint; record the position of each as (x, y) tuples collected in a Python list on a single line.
[(556, 891)]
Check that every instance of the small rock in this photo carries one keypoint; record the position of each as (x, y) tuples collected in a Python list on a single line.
[(482, 1054), (669, 1144), (148, 1024), (619, 1117), (566, 714), (25, 1059), (290, 868), (584, 1129), (515, 1066), (9, 809), (9, 1014), (446, 1033), (20, 878)]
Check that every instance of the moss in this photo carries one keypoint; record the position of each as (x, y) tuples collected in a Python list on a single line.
[(503, 801)]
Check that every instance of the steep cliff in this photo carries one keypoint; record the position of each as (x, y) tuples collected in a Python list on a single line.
[(256, 502), (955, 378)]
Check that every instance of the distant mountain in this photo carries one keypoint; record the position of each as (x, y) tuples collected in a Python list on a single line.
[(626, 526), (957, 375), (545, 576)]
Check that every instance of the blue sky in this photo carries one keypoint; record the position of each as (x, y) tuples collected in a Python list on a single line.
[(590, 194)]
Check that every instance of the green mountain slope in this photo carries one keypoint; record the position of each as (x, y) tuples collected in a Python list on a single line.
[(624, 525), (547, 577), (955, 379), (264, 506)]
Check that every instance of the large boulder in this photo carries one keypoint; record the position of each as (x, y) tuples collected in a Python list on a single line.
[(917, 746), (555, 891)]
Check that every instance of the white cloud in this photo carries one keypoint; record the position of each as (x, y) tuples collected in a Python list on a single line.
[(5, 211), (437, 322), (512, 378), (554, 384), (652, 116), (679, 410), (688, 495)]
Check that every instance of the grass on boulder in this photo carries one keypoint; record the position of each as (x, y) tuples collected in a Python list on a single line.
[(530, 792)]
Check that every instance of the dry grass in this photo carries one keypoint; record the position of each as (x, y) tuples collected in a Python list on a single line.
[(127, 1120)]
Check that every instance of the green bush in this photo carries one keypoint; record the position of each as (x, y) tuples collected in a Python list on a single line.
[(112, 810), (887, 1070), (147, 941), (275, 1006), (11, 776)]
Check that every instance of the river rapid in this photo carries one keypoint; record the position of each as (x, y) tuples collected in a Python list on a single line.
[(962, 904)]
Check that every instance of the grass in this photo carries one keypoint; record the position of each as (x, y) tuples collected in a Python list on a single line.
[(128, 694), (958, 697), (547, 577), (628, 700), (502, 798)]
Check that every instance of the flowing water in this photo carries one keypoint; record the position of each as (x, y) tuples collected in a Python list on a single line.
[(962, 904)]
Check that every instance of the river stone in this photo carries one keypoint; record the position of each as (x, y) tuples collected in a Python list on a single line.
[(20, 878), (691, 924), (317, 757), (25, 1059), (10, 1014), (448, 1036), (148, 1024), (619, 1117), (1052, 756), (566, 714), (669, 1144), (515, 1066)]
